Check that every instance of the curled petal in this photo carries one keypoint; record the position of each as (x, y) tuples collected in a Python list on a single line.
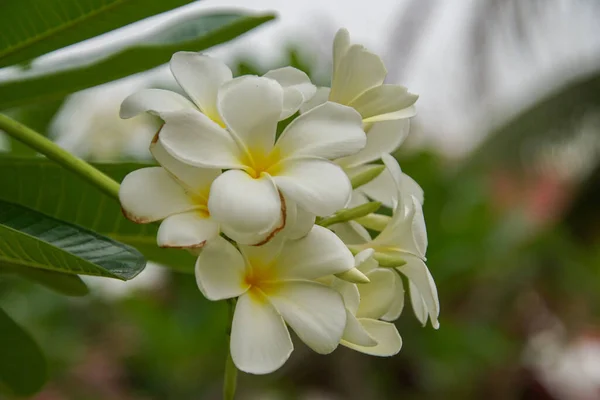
[(358, 71), (314, 311), (260, 341), (318, 254), (388, 339), (329, 131), (245, 204), (318, 186), (407, 112), (355, 333), (194, 139), (250, 107), (351, 232), (349, 292), (200, 76), (151, 194), (383, 189), (154, 101), (393, 313), (422, 287), (221, 270), (195, 179), (298, 222), (376, 297), (188, 229)]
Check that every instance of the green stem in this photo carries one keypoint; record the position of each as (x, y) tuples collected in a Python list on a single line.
[(230, 380), (61, 156), (350, 214)]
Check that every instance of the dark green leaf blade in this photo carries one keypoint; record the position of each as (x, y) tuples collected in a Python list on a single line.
[(196, 34), (31, 28), (46, 187), (22, 364), (31, 239)]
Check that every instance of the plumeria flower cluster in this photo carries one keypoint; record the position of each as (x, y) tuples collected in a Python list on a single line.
[(277, 217)]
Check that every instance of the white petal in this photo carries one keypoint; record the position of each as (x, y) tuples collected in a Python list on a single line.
[(405, 233), (382, 137), (250, 107), (388, 339), (193, 138), (365, 262), (151, 194), (351, 232), (195, 179), (251, 238), (383, 189), (320, 97), (200, 76), (314, 311), (155, 101), (221, 270), (298, 222), (417, 273), (393, 313), (418, 304), (349, 293), (355, 333), (384, 99), (392, 166), (341, 44), (297, 88), (318, 186), (330, 131), (260, 341), (408, 112), (245, 204), (358, 71), (186, 230), (317, 254), (376, 296)]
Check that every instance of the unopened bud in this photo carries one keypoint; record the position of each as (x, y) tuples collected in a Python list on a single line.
[(365, 176), (354, 276), (351, 213), (376, 222)]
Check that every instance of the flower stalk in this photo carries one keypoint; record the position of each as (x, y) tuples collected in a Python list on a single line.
[(230, 379), (59, 155)]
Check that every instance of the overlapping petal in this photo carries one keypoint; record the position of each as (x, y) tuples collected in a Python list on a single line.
[(195, 139), (221, 270), (329, 131), (314, 311), (397, 305), (355, 333), (250, 106), (376, 297), (383, 100), (154, 101), (155, 183), (317, 254), (388, 339), (245, 204), (190, 229), (318, 186), (260, 341), (297, 88), (200, 76), (419, 276), (320, 97)]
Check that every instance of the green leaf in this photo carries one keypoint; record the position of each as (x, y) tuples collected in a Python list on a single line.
[(31, 28), (22, 364), (70, 285), (195, 33), (29, 239), (46, 187)]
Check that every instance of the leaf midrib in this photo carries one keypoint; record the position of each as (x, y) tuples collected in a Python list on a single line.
[(74, 22)]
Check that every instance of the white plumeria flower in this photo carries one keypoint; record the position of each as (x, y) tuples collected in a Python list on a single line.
[(275, 284), (365, 305), (405, 236), (248, 198), (357, 82), (175, 192)]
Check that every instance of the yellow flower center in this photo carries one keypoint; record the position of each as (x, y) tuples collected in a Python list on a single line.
[(261, 279), (258, 162), (200, 199)]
